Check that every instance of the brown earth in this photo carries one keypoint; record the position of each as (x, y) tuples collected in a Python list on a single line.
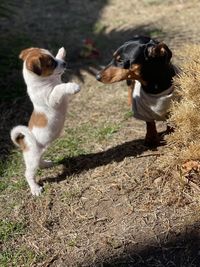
[(105, 204)]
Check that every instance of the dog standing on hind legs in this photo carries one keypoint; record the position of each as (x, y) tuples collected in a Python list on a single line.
[(146, 66), (42, 74)]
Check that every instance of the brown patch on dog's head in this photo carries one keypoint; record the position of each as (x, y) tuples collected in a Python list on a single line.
[(160, 51), (38, 120), (38, 61)]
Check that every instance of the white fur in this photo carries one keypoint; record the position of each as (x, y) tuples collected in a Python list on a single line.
[(49, 96)]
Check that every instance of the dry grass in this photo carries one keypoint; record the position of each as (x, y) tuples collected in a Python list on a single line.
[(184, 143), (180, 162)]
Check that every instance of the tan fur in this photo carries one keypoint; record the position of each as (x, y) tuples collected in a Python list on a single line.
[(130, 92), (37, 61), (38, 120), (20, 141), (24, 53), (114, 74)]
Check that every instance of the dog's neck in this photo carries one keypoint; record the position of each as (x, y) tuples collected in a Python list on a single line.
[(39, 88), (33, 80), (159, 81)]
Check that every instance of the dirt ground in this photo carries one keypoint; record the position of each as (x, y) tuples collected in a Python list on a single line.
[(104, 203)]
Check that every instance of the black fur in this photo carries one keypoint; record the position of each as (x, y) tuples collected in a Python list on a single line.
[(156, 69)]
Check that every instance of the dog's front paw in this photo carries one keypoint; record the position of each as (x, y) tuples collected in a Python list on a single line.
[(61, 53), (76, 88), (36, 190), (73, 88)]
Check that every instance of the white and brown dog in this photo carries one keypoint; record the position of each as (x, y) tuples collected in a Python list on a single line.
[(42, 74)]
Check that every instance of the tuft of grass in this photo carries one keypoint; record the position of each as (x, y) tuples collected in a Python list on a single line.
[(99, 27), (71, 145), (72, 243), (18, 257), (106, 132), (3, 184), (69, 195), (156, 33), (11, 168), (10, 229), (128, 114), (154, 2)]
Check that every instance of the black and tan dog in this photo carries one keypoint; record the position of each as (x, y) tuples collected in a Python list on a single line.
[(146, 66)]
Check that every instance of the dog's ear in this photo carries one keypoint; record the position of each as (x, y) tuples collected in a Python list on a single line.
[(24, 53), (61, 53), (34, 64), (160, 50)]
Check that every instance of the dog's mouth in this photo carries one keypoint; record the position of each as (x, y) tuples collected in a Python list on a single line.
[(114, 74)]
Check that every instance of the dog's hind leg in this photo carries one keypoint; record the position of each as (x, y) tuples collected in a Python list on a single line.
[(32, 159), (151, 139)]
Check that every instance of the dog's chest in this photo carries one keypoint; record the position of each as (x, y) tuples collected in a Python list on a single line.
[(149, 107)]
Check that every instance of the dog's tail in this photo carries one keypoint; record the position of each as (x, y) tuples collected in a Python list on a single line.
[(23, 137)]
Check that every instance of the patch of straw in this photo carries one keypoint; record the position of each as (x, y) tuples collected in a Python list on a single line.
[(184, 143)]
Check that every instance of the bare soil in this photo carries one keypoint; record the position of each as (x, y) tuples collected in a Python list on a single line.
[(104, 204)]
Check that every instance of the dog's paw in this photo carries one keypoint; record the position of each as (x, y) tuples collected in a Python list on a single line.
[(76, 88), (61, 53), (46, 164), (36, 190), (152, 142), (73, 88)]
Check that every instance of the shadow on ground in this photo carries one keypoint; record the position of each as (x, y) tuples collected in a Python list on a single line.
[(174, 250), (78, 164)]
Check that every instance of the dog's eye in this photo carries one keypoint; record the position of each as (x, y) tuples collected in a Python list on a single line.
[(127, 64), (119, 60)]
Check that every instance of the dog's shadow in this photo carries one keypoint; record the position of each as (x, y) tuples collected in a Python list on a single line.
[(78, 164)]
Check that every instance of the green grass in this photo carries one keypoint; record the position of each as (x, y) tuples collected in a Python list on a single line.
[(77, 141), (9, 229), (128, 114), (99, 27), (156, 33), (155, 2), (106, 132), (11, 168), (22, 256)]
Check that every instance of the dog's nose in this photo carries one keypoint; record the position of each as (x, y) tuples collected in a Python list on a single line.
[(98, 76)]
